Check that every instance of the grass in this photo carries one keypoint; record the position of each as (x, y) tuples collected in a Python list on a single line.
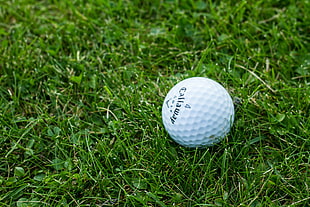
[(82, 83)]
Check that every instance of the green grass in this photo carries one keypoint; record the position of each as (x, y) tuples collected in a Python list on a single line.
[(82, 83)]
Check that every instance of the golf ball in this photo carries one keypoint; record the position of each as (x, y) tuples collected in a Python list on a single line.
[(198, 112)]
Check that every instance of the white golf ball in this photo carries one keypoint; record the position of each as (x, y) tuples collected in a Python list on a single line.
[(198, 112)]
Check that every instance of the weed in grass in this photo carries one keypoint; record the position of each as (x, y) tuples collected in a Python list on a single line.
[(81, 88)]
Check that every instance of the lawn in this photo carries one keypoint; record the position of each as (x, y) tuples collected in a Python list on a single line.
[(81, 90)]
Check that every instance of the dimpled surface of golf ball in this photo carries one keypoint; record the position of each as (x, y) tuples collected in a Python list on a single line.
[(198, 112)]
